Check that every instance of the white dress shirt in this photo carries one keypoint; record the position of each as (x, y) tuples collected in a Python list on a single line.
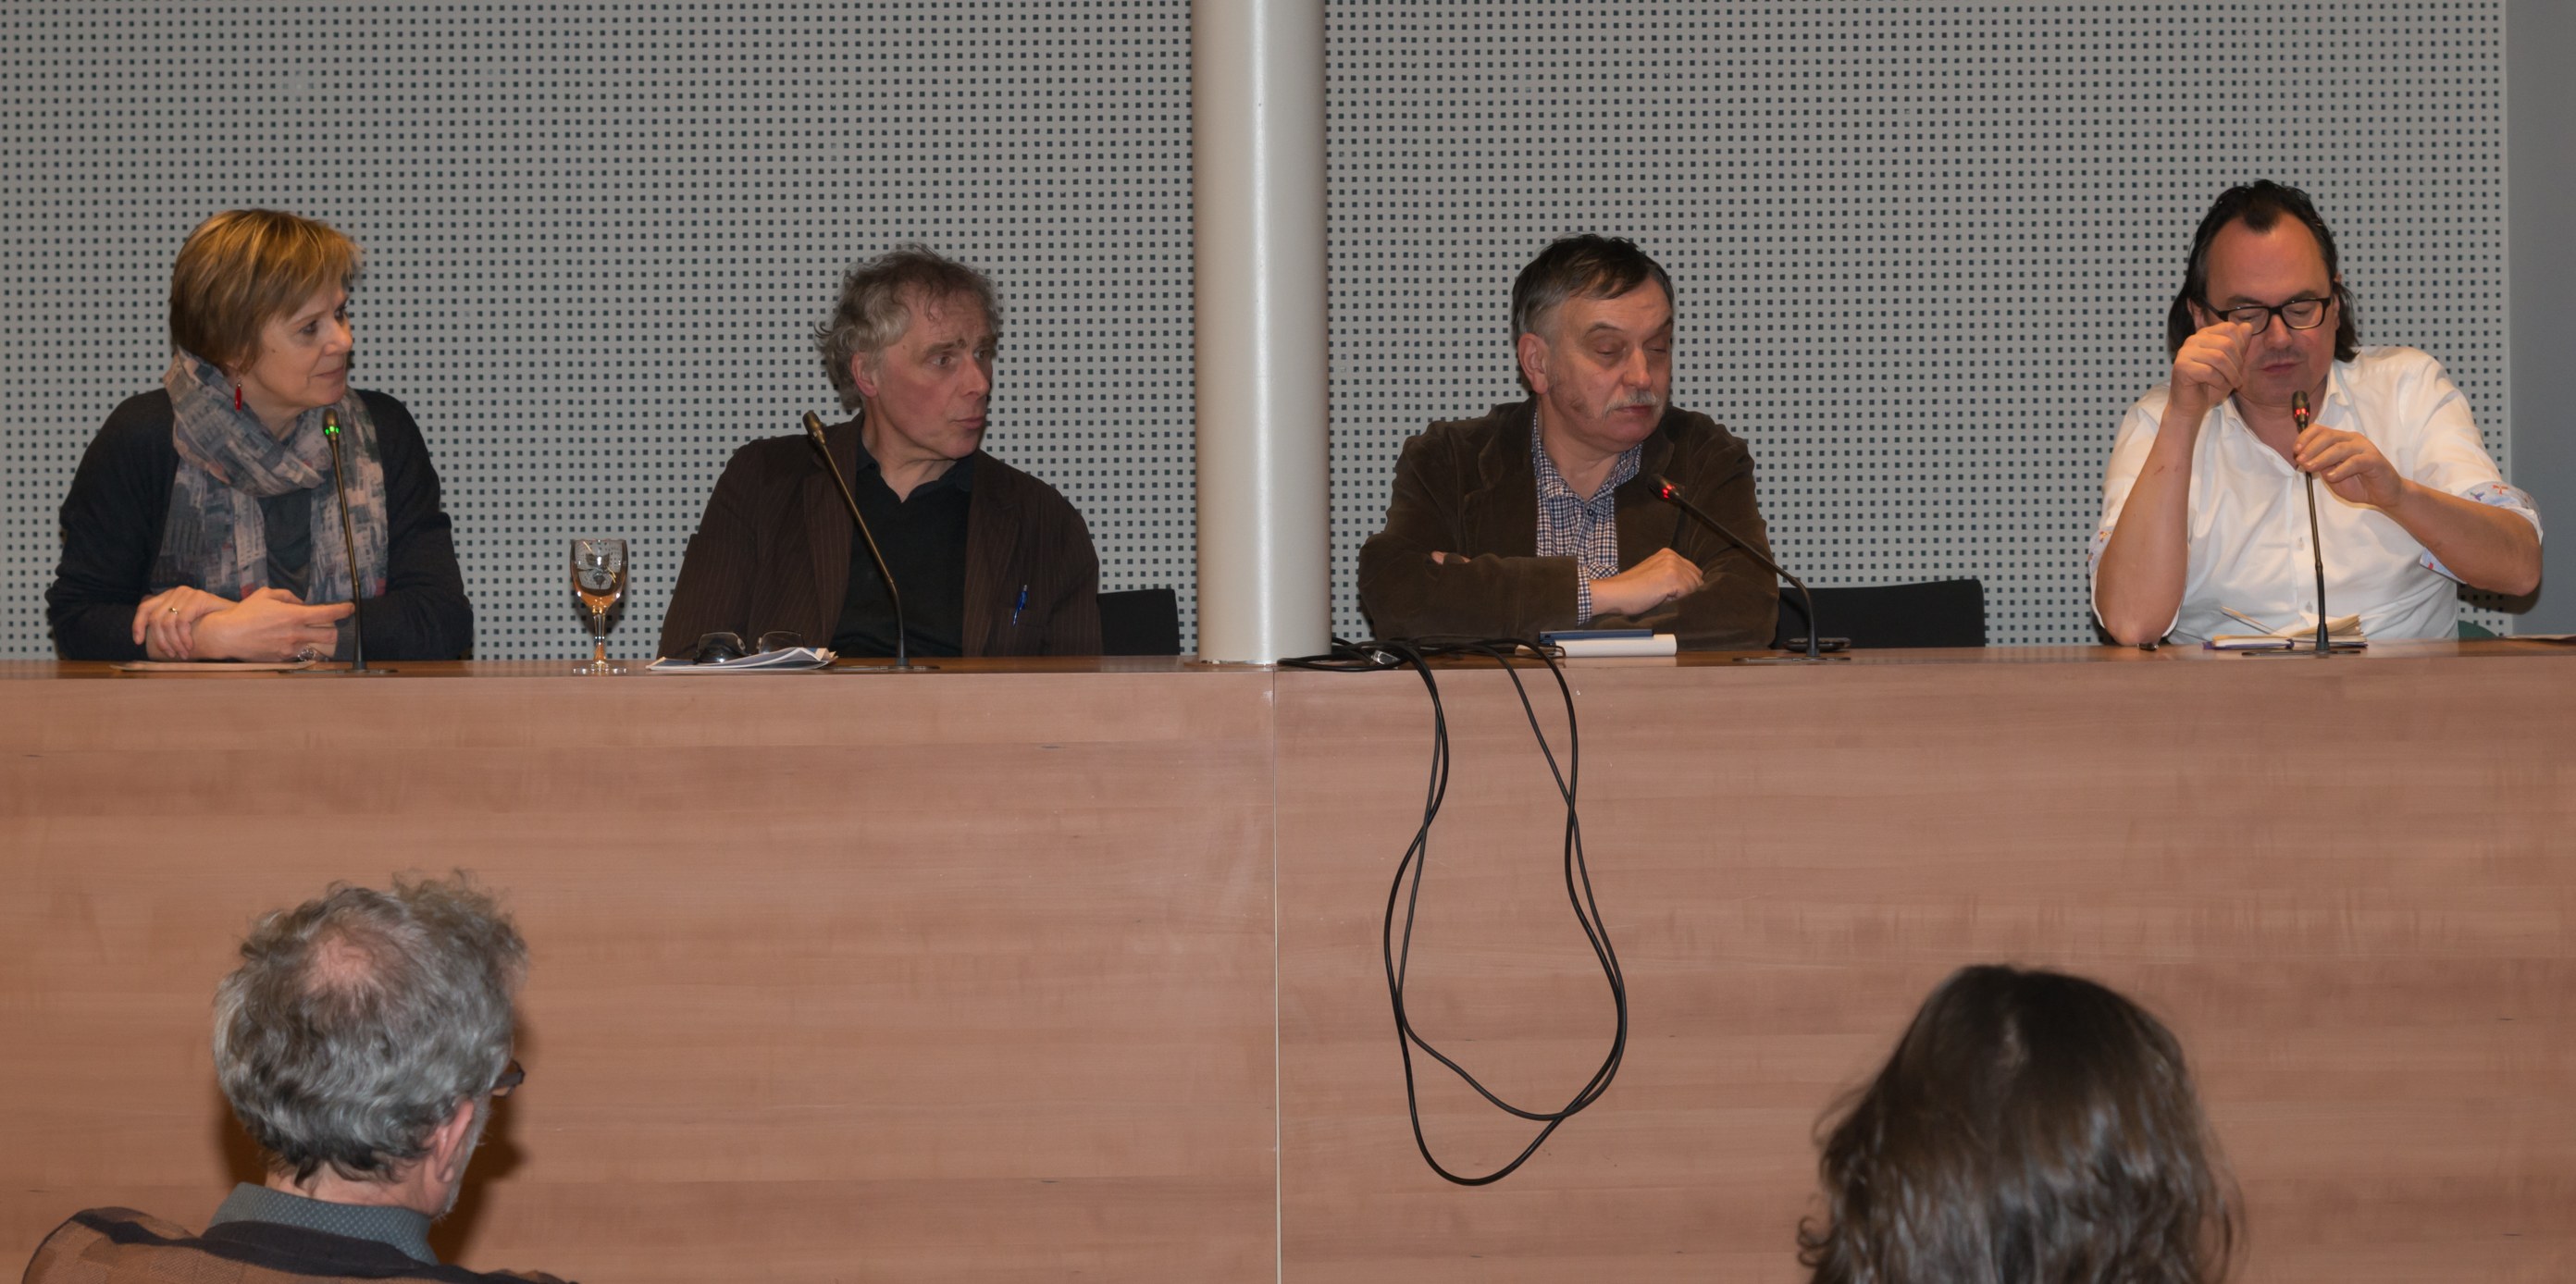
[(2248, 521)]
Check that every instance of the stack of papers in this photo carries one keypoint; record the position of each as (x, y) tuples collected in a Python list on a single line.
[(212, 666), (2343, 633), (1580, 644), (794, 659)]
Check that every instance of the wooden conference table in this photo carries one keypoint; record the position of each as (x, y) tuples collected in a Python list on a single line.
[(1061, 971)]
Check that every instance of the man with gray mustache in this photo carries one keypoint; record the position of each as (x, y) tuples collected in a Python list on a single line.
[(1543, 515)]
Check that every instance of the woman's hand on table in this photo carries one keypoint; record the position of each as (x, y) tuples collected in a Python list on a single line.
[(165, 624), (269, 625)]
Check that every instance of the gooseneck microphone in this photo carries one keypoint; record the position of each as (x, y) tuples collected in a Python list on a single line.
[(1671, 494), (2316, 544), (349, 548), (814, 431)]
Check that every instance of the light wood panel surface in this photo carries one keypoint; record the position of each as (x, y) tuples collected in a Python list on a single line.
[(970, 975), (2348, 886), (834, 978)]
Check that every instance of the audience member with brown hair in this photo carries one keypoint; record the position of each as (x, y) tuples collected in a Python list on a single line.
[(2031, 1128)]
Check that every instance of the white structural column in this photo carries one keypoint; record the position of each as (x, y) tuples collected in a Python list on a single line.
[(1257, 119)]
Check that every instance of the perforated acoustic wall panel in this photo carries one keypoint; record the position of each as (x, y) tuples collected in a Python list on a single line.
[(1923, 251), (598, 237)]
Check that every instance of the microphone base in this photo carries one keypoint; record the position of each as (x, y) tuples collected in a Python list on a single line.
[(883, 668), (2310, 653), (1791, 659), (368, 672)]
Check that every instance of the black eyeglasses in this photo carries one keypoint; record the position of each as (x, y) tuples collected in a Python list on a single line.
[(512, 1075), (2298, 314)]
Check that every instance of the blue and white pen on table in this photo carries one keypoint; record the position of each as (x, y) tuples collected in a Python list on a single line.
[(1021, 605)]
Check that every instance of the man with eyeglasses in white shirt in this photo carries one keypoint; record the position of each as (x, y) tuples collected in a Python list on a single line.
[(2204, 512)]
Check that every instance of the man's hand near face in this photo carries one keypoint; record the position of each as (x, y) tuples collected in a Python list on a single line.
[(2208, 369)]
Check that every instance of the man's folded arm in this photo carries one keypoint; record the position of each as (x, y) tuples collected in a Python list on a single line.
[(1407, 594), (1737, 606)]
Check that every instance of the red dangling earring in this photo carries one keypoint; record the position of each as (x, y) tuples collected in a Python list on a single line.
[(237, 396)]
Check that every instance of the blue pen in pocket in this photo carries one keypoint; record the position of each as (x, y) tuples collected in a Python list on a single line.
[(1019, 606)]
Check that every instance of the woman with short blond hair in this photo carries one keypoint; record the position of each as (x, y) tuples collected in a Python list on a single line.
[(202, 524)]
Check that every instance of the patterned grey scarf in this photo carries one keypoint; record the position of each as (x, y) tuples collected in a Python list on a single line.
[(215, 539)]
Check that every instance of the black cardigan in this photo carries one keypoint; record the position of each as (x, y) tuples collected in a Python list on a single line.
[(120, 499)]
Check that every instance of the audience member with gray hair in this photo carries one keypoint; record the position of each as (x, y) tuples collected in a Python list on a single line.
[(361, 1044), (989, 560)]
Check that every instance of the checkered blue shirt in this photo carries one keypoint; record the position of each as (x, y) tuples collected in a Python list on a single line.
[(1571, 526)]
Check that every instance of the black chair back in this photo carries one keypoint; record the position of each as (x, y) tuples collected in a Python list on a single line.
[(1140, 622), (1878, 616)]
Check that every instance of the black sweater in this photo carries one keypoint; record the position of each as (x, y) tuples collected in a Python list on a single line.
[(120, 499)]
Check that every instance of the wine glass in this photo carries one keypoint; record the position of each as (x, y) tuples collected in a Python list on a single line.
[(599, 576)]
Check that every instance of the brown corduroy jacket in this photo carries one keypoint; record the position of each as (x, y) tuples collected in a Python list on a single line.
[(122, 1246), (1468, 487), (773, 552)]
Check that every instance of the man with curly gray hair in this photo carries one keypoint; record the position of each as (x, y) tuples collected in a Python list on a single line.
[(361, 1044), (989, 560)]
